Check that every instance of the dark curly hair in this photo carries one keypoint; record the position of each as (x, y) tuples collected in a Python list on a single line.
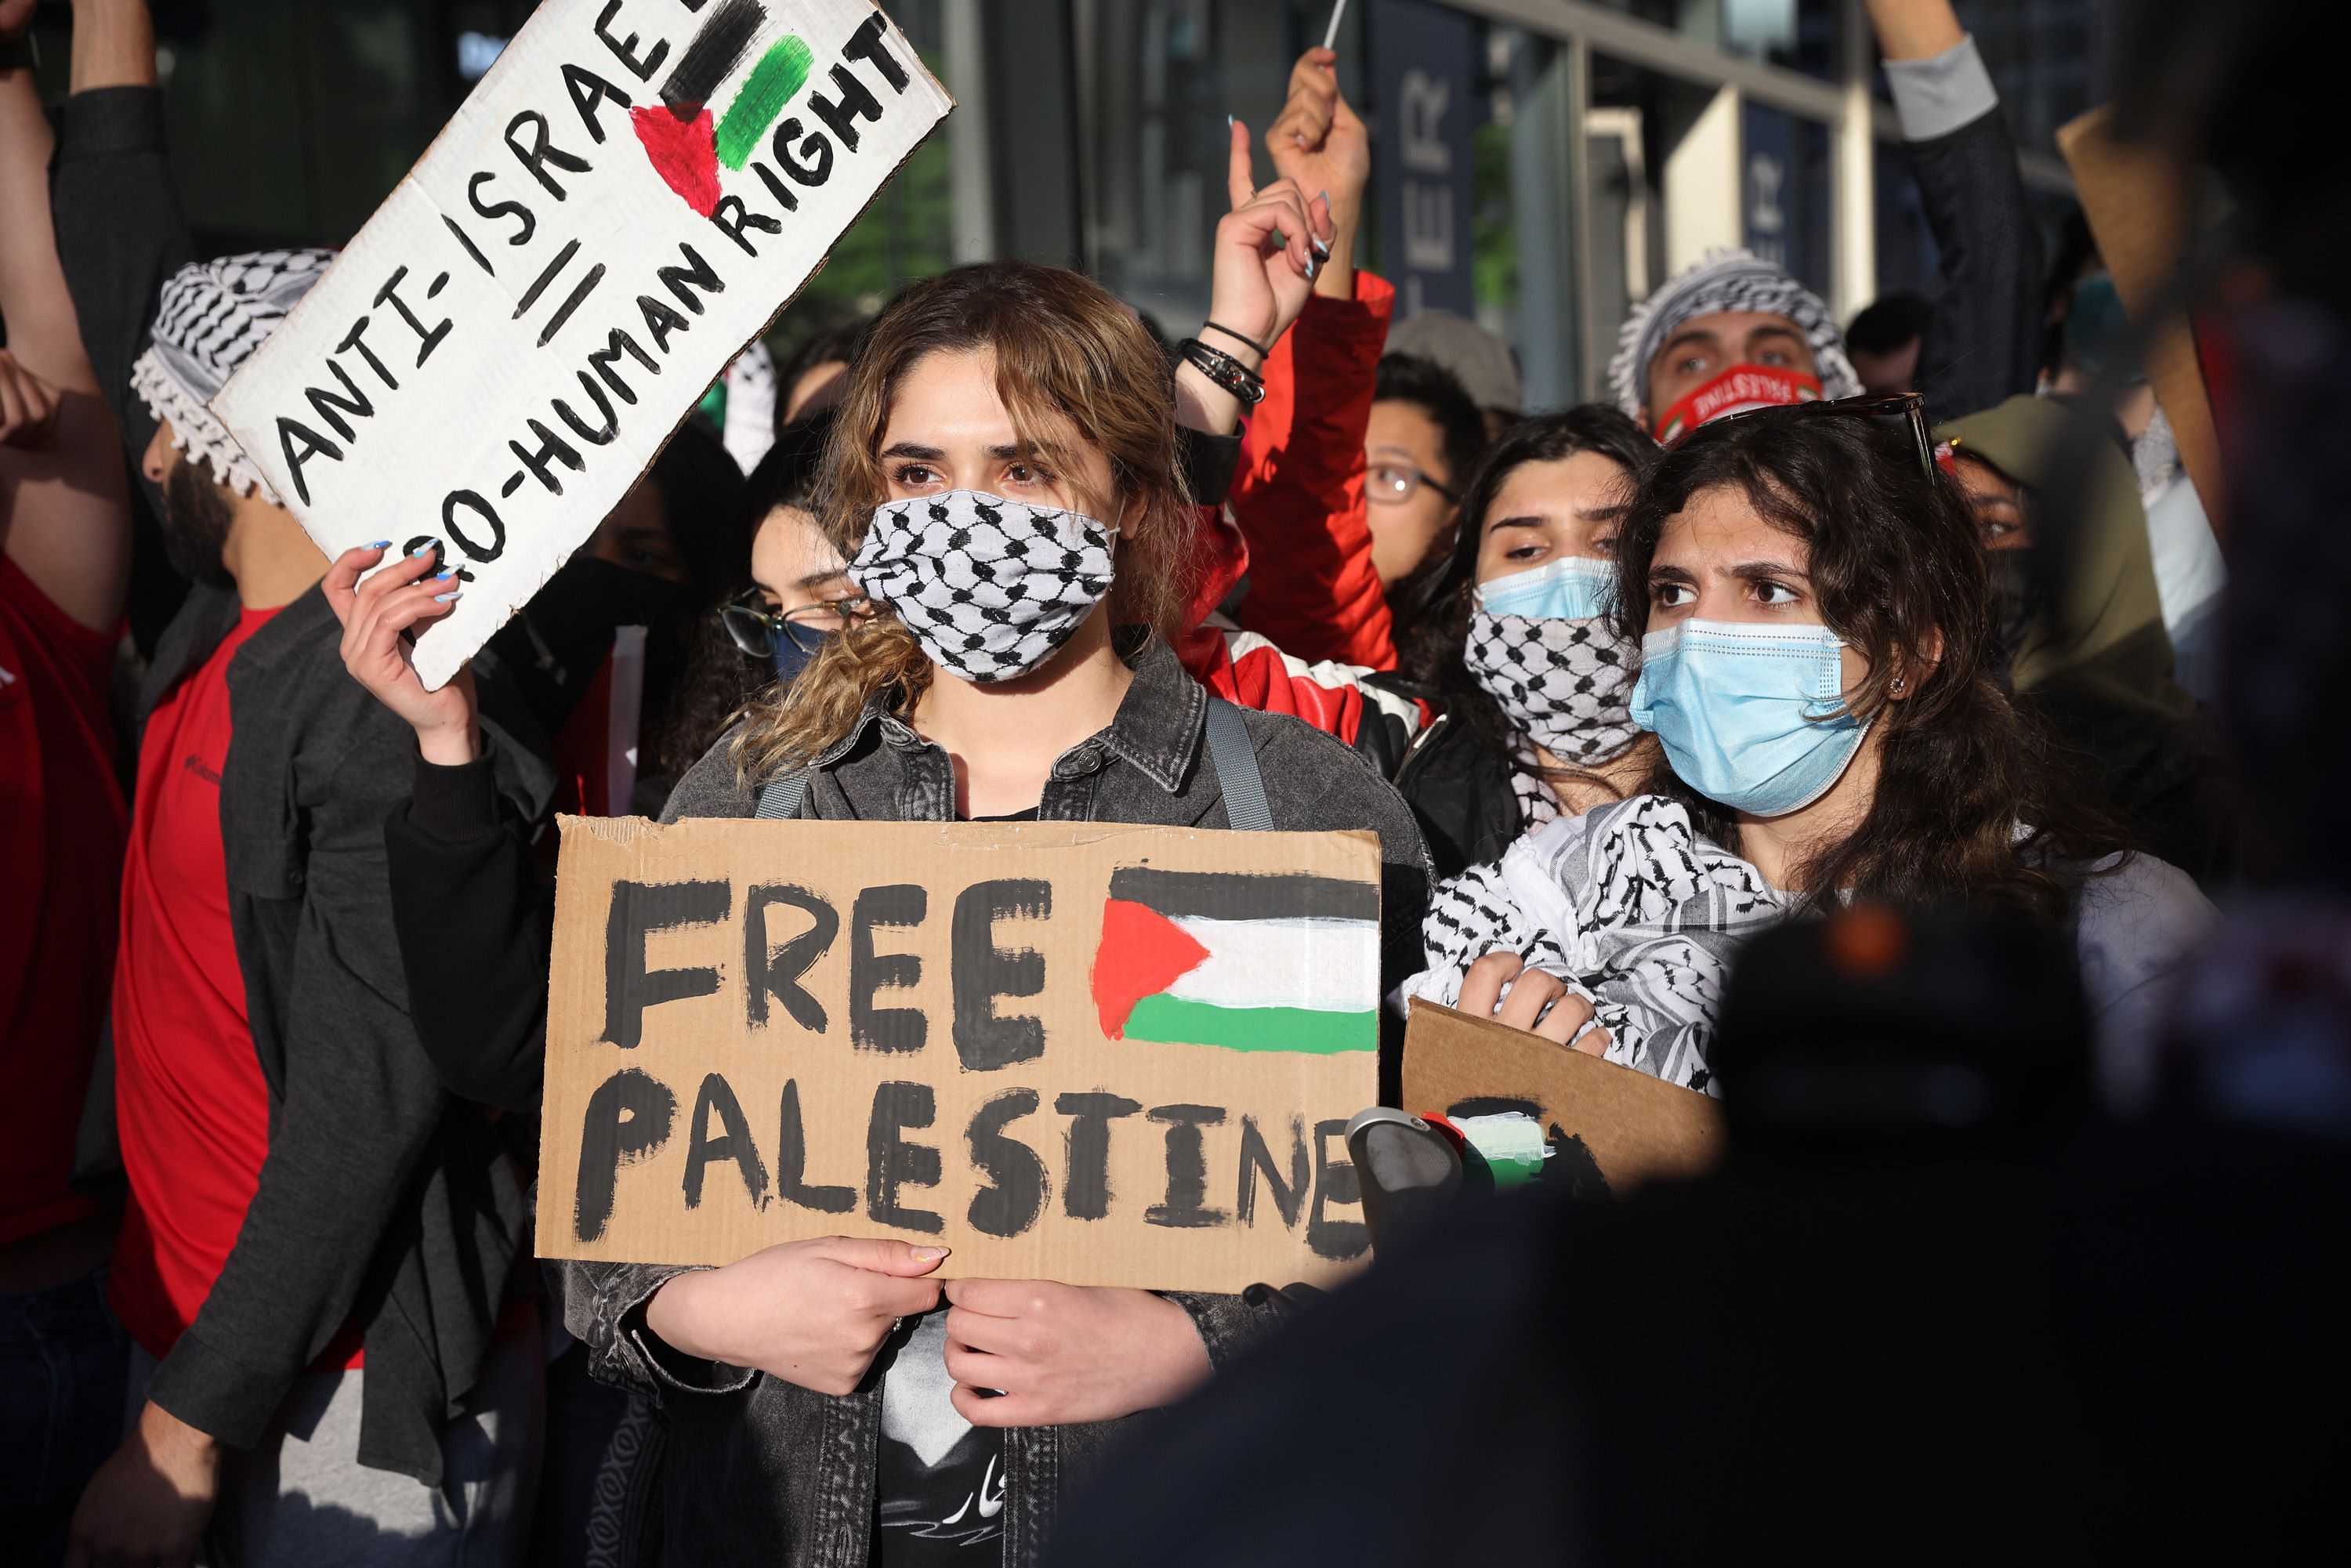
[(1895, 563), (1432, 649)]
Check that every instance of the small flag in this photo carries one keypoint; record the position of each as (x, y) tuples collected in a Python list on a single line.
[(1244, 961), (683, 140)]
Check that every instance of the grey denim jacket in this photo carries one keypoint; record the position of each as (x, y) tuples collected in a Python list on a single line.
[(758, 1470)]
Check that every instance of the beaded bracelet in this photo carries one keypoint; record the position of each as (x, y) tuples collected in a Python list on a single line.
[(1223, 370)]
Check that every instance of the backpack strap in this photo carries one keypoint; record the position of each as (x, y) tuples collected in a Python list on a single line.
[(780, 797), (1237, 778)]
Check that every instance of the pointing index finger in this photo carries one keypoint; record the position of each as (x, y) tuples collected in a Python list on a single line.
[(1240, 178)]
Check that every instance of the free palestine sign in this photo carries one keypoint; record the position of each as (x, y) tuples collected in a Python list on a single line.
[(627, 199), (1101, 1054)]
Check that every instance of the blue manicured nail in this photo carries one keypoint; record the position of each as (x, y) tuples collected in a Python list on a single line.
[(445, 598), (380, 544), (427, 548), (443, 576)]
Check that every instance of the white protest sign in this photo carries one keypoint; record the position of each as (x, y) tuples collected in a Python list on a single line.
[(629, 197)]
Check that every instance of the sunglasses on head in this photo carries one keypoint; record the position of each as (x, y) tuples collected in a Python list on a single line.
[(1905, 410)]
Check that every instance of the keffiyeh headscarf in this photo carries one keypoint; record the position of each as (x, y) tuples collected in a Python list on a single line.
[(1725, 279), (213, 315)]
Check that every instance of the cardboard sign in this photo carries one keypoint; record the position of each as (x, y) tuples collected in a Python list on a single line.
[(1101, 1054), (629, 196), (1604, 1123), (2135, 200)]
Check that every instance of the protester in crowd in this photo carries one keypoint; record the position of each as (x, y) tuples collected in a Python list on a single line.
[(770, 627), (2093, 662), (807, 381), (65, 548), (1483, 363), (2100, 359), (1093, 393), (318, 1244), (1810, 599), (287, 1145), (1883, 342), (1519, 650), (1733, 332), (1424, 438), (671, 552)]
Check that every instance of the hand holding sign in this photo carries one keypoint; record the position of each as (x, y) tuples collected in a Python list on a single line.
[(1523, 1005), (811, 1312), (1059, 1353), (378, 616)]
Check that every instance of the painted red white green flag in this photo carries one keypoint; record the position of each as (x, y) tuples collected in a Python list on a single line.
[(1248, 962)]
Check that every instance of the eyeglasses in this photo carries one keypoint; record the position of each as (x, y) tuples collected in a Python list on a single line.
[(1907, 409), (1391, 483), (754, 627)]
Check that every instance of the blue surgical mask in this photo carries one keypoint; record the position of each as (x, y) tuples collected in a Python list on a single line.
[(1750, 715), (793, 647), (1569, 587)]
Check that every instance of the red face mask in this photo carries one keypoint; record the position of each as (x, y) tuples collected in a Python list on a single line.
[(1737, 389)]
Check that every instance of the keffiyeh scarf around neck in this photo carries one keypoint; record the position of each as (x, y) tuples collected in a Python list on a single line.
[(1632, 907)]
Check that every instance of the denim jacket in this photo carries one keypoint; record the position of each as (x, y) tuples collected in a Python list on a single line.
[(757, 1468)]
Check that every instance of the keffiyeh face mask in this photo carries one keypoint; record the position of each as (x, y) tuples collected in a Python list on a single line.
[(1560, 672), (990, 588)]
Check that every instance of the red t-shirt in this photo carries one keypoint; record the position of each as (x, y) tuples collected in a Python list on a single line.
[(61, 827), (188, 1096)]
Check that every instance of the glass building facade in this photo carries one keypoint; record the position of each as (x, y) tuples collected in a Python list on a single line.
[(1539, 164)]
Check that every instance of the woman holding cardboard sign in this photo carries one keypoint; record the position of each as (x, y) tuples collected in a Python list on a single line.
[(1810, 602), (1004, 479), (1004, 476)]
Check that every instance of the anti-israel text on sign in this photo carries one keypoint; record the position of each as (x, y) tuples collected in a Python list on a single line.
[(627, 199), (1101, 1054)]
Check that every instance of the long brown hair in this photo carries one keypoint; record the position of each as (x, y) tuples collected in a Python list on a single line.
[(1895, 562), (1063, 346)]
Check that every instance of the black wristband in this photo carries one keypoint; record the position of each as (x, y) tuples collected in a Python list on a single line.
[(1263, 350), (1224, 370)]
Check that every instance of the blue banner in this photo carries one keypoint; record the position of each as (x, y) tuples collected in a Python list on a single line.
[(1425, 87)]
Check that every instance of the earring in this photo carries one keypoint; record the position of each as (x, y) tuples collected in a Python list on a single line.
[(1897, 687)]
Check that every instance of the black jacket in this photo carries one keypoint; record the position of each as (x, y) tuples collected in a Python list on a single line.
[(761, 1469), (381, 1198), (1459, 789), (1984, 340)]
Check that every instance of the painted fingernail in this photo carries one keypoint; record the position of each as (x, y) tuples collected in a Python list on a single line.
[(926, 1254), (1229, 122), (426, 549), (445, 598), (379, 544), (1326, 195), (443, 576)]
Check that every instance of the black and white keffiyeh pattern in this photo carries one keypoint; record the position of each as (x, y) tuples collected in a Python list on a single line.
[(1564, 682), (990, 588), (1630, 905), (1725, 278), (212, 317)]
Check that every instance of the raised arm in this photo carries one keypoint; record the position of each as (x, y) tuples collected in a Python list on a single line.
[(119, 231), (64, 503), (1299, 497), (1983, 343)]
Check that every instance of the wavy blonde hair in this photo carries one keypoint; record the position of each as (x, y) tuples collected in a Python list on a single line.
[(1064, 346)]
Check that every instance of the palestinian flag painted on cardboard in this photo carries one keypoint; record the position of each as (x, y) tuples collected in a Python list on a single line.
[(1287, 962)]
